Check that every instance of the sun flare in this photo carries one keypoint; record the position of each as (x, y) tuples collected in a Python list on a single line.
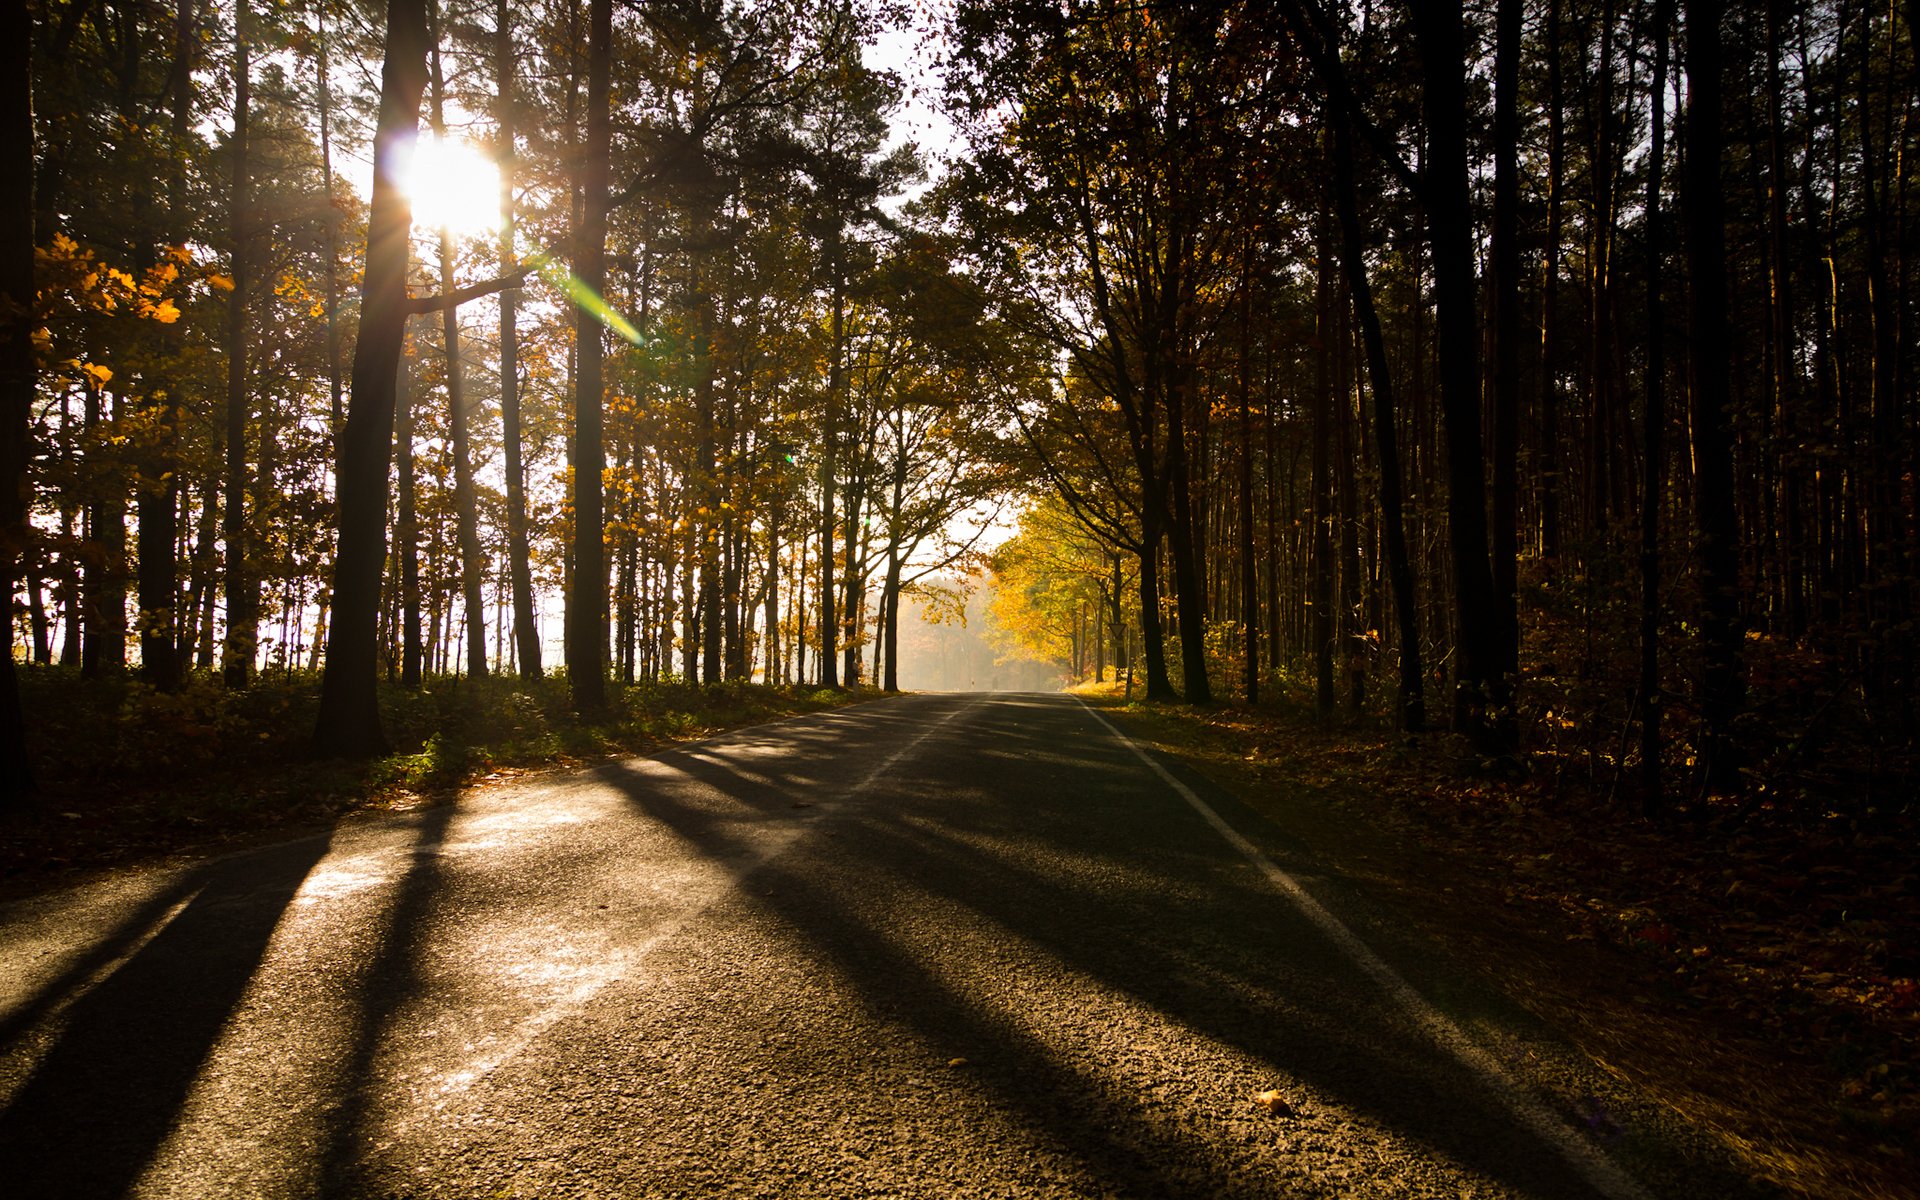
[(454, 186)]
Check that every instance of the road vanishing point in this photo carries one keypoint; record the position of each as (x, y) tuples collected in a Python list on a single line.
[(933, 946)]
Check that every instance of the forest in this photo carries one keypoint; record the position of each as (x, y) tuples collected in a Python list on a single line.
[(1539, 370)]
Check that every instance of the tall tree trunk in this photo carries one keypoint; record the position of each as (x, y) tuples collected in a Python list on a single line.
[(706, 468), (336, 400), (465, 504), (1505, 252), (16, 371), (1188, 572), (406, 551), (1783, 374), (243, 592), (348, 723), (526, 634), (104, 636), (587, 599), (159, 498), (829, 462), (1442, 37), (1249, 569), (1549, 471), (1722, 685), (1653, 447), (1411, 697), (1321, 509)]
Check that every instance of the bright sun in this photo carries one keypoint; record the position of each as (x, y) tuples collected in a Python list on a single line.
[(453, 186)]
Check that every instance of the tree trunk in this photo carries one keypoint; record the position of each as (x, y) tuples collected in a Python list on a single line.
[(1506, 344), (465, 504), (1653, 447), (1321, 566), (1411, 700), (1549, 471), (16, 371), (1450, 229), (587, 599), (526, 633), (243, 591), (829, 461), (407, 532), (1722, 686), (1249, 569), (348, 723)]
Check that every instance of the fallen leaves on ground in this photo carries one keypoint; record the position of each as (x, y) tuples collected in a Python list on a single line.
[(1802, 939)]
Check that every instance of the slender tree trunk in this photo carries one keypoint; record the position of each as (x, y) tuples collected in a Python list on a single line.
[(407, 531), (1549, 471), (1188, 570), (348, 723), (1653, 448), (159, 499), (526, 633), (829, 463), (1506, 346), (17, 372), (1722, 686), (336, 400), (1411, 705), (587, 600), (243, 591), (1442, 37), (1322, 481), (1249, 569), (465, 503), (1784, 376), (104, 633)]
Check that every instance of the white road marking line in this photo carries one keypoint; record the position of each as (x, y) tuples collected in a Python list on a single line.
[(1595, 1167)]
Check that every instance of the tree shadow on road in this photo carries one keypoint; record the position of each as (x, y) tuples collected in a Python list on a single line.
[(104, 1097), (1116, 891)]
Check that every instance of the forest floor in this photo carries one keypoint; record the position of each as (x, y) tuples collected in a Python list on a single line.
[(128, 775), (1756, 973)]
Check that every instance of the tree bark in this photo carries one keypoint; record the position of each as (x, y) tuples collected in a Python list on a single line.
[(348, 724), (1722, 685), (587, 598), (1653, 445), (1505, 251), (526, 633), (16, 371), (1411, 698), (243, 591), (465, 504), (1441, 33)]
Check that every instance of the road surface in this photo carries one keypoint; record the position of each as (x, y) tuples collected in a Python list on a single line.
[(937, 946)]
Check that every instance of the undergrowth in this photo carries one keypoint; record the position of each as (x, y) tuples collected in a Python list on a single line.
[(127, 772)]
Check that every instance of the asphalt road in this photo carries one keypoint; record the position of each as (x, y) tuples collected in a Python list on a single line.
[(938, 946)]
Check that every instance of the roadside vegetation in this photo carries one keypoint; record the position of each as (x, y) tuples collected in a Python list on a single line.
[(130, 773)]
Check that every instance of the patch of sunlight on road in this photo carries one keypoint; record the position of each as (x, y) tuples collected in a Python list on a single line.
[(349, 876)]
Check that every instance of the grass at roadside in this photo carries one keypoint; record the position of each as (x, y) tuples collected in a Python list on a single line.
[(1750, 976), (128, 774)]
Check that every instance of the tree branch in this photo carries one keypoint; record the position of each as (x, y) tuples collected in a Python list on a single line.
[(473, 291)]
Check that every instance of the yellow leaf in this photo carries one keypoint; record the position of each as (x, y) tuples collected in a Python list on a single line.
[(101, 375), (1273, 1103), (223, 282), (165, 313)]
